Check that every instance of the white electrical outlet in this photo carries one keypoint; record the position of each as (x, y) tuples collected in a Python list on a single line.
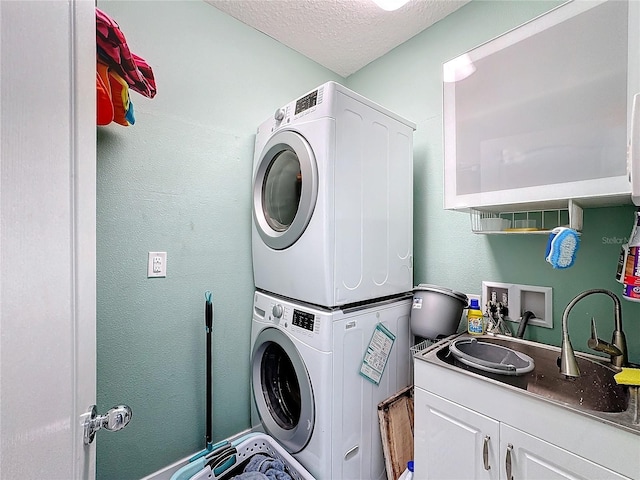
[(157, 264)]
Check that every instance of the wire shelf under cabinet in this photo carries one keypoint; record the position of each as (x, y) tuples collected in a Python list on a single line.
[(526, 222)]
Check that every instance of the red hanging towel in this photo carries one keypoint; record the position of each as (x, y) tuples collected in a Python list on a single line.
[(104, 108), (114, 104), (112, 48)]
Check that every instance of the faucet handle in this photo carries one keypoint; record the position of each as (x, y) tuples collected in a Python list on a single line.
[(600, 345), (594, 333)]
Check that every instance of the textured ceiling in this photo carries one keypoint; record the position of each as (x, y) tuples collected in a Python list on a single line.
[(341, 35)]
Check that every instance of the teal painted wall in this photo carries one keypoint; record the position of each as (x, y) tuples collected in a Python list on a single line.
[(179, 181)]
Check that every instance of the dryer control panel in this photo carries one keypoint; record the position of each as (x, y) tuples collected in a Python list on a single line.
[(308, 101), (307, 104), (296, 109)]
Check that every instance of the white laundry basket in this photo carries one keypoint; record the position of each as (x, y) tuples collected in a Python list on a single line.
[(238, 453)]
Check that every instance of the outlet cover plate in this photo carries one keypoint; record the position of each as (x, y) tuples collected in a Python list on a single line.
[(157, 264)]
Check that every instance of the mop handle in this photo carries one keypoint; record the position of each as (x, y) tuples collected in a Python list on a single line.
[(208, 315)]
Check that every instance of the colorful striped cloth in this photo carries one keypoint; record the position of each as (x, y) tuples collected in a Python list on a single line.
[(113, 50)]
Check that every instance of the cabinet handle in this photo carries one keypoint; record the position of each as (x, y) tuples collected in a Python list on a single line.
[(508, 462), (485, 453)]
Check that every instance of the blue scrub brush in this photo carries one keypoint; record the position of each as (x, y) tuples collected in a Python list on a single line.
[(562, 247)]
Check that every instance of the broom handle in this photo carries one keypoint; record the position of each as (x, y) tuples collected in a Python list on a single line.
[(208, 311)]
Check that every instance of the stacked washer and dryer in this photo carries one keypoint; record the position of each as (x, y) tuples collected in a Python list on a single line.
[(332, 243)]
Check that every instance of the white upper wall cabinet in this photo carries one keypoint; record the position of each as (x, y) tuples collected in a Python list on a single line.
[(543, 113)]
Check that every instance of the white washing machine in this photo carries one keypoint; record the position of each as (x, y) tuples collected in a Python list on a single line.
[(307, 389), (333, 200)]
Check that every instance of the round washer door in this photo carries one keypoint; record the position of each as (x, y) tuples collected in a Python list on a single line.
[(285, 189), (282, 390)]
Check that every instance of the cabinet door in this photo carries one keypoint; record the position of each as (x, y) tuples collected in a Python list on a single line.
[(528, 122), (453, 442), (523, 456)]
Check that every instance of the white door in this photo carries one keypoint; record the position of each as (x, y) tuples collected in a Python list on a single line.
[(47, 237)]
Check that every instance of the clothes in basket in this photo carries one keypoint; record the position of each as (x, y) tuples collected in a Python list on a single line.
[(229, 460)]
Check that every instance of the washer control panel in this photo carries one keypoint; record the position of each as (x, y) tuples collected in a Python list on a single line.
[(310, 325), (304, 320), (293, 319)]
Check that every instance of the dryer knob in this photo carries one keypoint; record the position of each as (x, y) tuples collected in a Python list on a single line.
[(279, 115), (277, 310)]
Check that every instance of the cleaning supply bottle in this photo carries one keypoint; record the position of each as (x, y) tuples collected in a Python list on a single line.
[(631, 272), (475, 318), (408, 472)]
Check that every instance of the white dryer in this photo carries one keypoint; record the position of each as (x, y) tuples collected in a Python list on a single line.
[(333, 200), (307, 389)]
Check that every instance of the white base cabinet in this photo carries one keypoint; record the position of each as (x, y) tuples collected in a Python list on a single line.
[(453, 442), (527, 457), (466, 427)]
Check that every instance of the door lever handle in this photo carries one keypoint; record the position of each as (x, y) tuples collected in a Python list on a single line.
[(115, 419)]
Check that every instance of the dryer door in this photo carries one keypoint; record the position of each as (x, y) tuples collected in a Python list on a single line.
[(282, 390), (285, 189)]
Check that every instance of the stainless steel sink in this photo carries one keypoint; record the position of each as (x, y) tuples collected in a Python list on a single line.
[(594, 389)]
